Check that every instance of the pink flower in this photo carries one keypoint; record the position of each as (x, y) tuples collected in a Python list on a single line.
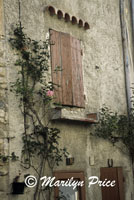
[(50, 93)]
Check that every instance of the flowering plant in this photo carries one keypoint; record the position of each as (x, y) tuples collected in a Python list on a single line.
[(40, 140), (50, 93)]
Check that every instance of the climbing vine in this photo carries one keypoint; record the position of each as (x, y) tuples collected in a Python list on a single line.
[(115, 127), (35, 92)]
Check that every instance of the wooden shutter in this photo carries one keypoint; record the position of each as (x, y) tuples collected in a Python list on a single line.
[(78, 90), (66, 53), (116, 192), (67, 93), (56, 62)]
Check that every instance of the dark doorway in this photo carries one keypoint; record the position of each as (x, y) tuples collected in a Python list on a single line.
[(116, 192)]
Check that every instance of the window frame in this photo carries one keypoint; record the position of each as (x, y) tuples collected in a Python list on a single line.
[(64, 175)]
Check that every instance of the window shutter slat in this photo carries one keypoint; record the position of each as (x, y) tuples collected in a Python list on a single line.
[(77, 76), (67, 96), (56, 62), (120, 181)]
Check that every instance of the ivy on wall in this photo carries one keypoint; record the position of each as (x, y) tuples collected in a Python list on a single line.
[(115, 127)]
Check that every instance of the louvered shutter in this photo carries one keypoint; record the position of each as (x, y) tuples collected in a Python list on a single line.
[(66, 53)]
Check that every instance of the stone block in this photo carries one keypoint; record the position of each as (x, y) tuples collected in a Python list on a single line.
[(3, 185), (2, 80), (2, 113), (3, 195), (2, 120), (3, 129), (1, 141), (6, 117), (3, 86), (1, 53), (2, 72), (1, 17), (2, 64), (1, 163), (2, 105), (1, 148), (3, 172)]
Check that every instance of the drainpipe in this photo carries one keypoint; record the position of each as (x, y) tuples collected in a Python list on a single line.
[(132, 20), (125, 55), (132, 15)]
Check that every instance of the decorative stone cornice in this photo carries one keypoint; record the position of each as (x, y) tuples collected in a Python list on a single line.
[(67, 17)]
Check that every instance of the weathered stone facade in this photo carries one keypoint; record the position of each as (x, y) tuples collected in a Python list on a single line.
[(104, 83), (3, 109)]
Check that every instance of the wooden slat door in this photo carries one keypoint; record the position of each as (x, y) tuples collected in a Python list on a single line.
[(116, 192)]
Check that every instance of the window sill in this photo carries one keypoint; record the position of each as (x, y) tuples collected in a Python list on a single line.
[(64, 114)]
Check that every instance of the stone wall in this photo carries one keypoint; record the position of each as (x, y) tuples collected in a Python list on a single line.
[(3, 110), (104, 83)]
